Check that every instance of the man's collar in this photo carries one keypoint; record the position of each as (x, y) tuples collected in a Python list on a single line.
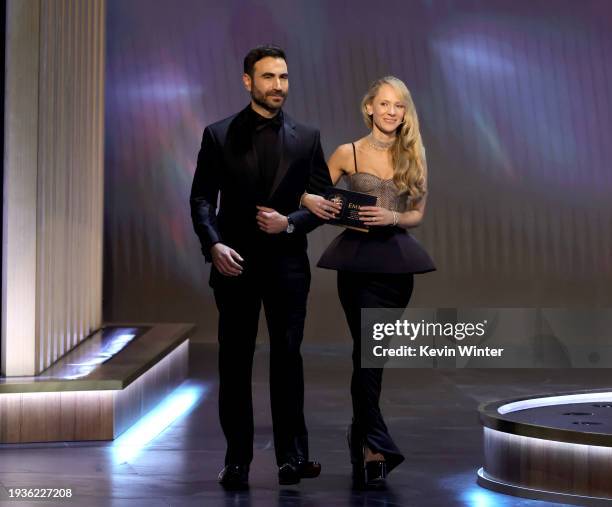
[(258, 121)]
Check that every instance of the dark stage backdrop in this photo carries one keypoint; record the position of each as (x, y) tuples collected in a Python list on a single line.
[(515, 101)]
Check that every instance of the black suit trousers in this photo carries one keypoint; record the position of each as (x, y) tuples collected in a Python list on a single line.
[(281, 283)]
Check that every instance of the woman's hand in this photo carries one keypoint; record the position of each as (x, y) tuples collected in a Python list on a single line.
[(320, 206), (373, 215)]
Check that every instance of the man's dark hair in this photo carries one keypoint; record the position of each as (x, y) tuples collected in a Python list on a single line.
[(259, 53)]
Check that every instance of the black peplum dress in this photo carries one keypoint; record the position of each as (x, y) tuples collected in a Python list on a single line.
[(375, 270)]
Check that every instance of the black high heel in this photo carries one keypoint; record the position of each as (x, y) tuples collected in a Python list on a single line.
[(357, 459), (370, 475), (375, 475)]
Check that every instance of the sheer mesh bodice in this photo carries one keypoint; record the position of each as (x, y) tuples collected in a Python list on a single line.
[(385, 190), (387, 194)]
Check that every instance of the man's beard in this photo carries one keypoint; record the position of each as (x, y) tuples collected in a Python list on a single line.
[(260, 99)]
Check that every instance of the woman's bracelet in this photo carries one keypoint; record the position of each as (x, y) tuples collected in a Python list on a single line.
[(395, 218), (302, 198)]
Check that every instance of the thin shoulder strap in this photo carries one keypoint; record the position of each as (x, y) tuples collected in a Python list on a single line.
[(354, 157)]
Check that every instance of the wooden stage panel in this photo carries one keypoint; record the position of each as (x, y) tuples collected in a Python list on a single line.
[(119, 391)]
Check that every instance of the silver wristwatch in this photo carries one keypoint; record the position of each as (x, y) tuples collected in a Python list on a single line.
[(290, 226)]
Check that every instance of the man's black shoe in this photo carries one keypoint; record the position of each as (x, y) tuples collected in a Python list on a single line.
[(292, 472), (288, 474), (308, 469), (234, 477)]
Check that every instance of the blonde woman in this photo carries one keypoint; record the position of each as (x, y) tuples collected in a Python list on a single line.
[(376, 268)]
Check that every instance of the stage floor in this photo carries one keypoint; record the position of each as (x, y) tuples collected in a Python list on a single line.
[(432, 415)]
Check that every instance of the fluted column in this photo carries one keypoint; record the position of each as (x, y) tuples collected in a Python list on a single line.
[(53, 180)]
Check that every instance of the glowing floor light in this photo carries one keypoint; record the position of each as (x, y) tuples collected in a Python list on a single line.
[(463, 490), (174, 406), (476, 497)]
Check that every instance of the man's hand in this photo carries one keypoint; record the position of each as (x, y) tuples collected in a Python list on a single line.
[(225, 259), (271, 221)]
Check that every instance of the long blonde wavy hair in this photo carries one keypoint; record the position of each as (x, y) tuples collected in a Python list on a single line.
[(407, 150)]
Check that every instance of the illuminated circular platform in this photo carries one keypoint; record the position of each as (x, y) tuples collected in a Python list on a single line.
[(550, 447)]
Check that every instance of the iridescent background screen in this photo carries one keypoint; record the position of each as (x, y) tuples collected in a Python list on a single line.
[(515, 104)]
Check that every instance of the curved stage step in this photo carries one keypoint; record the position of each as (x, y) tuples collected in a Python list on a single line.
[(555, 447)]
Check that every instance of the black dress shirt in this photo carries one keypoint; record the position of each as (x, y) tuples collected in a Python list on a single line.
[(267, 144)]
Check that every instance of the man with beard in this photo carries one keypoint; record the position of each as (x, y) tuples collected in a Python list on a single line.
[(260, 162)]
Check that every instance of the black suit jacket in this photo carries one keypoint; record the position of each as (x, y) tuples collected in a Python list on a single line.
[(227, 169)]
